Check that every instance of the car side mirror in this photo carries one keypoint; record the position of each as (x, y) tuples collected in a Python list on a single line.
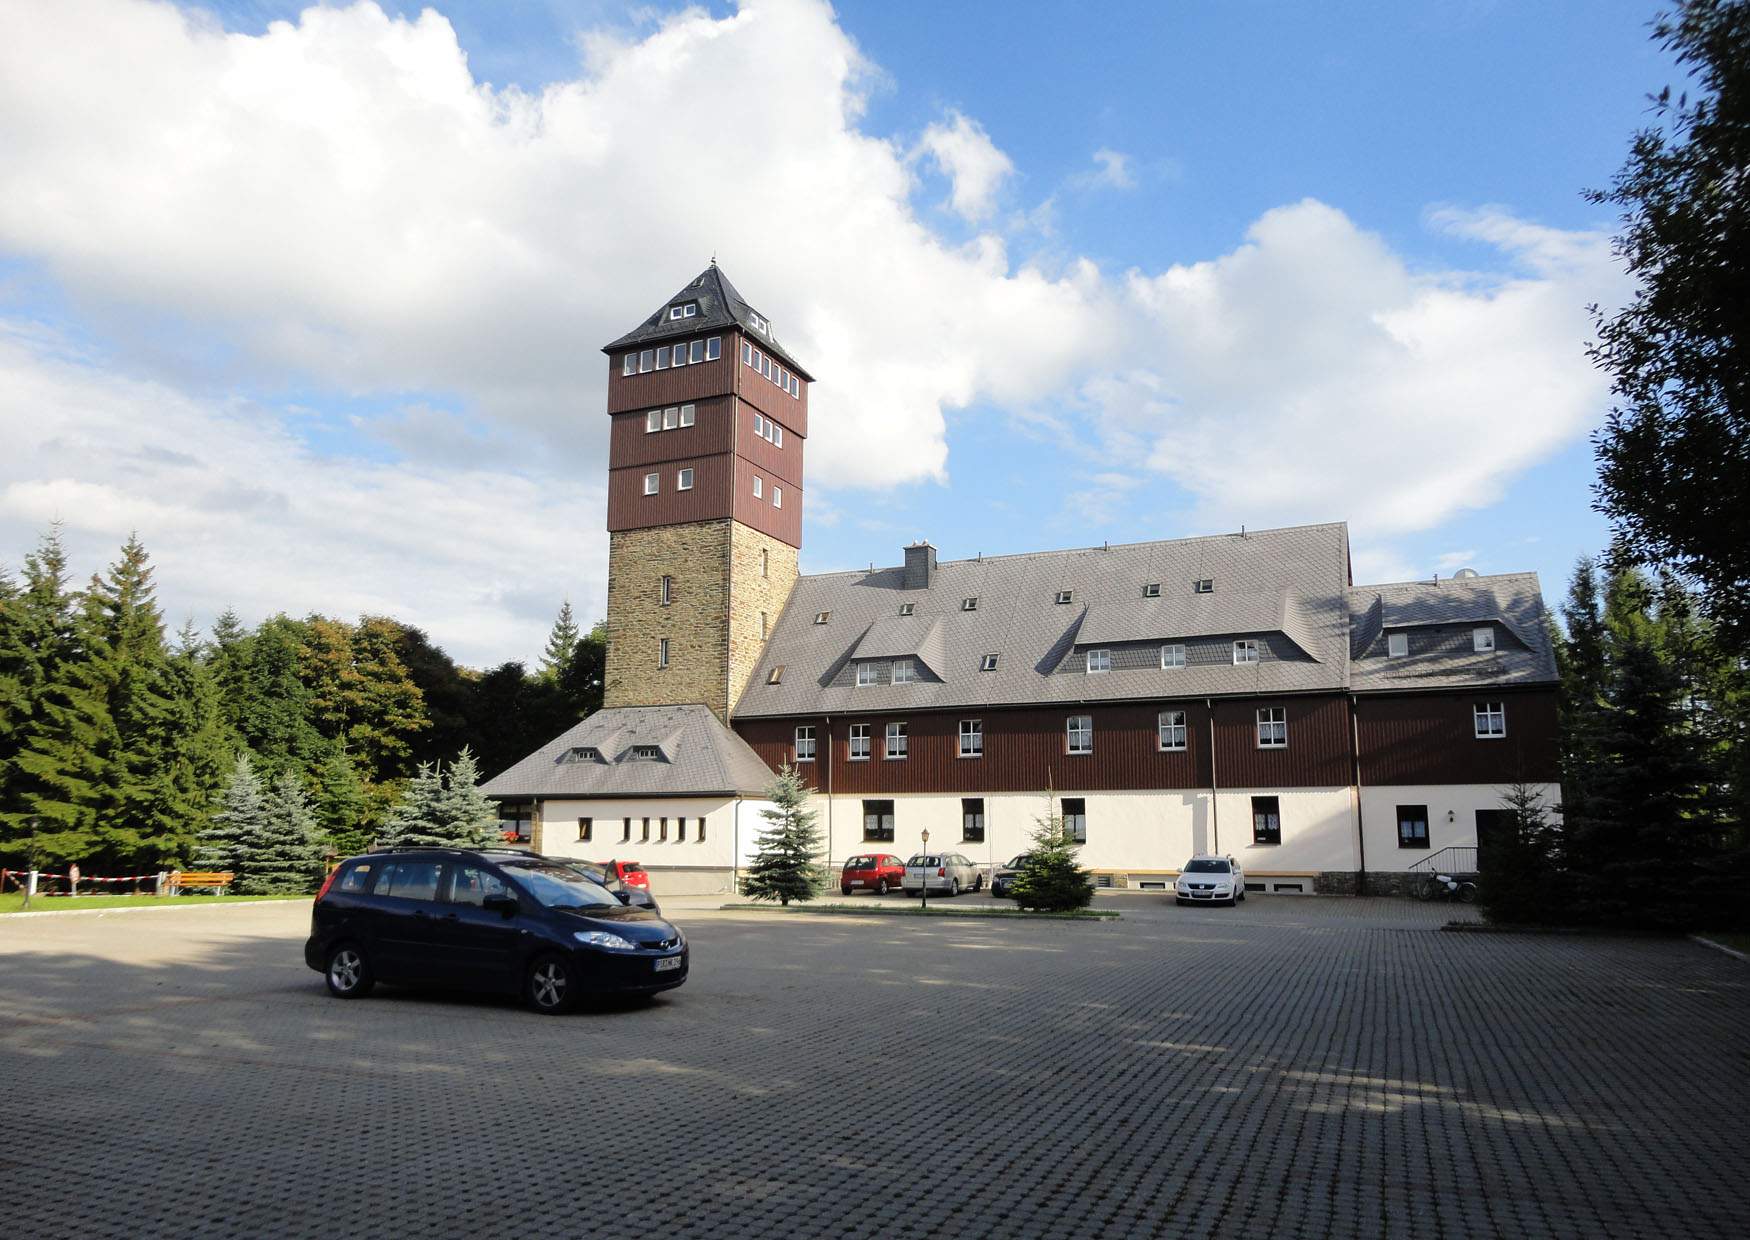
[(503, 905), (625, 897)]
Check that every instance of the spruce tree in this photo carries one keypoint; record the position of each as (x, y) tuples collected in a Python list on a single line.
[(342, 809), (241, 815), (787, 865), (1051, 880), (283, 855), (561, 650), (415, 817), (467, 817), (1522, 880)]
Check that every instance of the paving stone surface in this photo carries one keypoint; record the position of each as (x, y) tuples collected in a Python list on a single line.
[(1293, 1067)]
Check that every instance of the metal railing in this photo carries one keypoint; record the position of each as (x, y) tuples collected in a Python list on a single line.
[(1458, 859)]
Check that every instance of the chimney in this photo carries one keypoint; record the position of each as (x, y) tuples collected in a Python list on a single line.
[(920, 566)]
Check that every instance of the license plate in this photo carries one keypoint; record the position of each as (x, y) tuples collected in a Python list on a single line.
[(667, 963), (856, 882)]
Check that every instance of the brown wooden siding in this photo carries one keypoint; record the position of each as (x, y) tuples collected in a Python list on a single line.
[(784, 464), (782, 523), (630, 444), (1430, 738), (630, 509), (768, 397), (667, 387), (1317, 754)]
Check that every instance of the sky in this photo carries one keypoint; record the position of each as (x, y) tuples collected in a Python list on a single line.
[(312, 298)]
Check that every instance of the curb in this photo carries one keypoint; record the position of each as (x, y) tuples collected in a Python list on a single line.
[(839, 910), (1733, 952), (146, 908)]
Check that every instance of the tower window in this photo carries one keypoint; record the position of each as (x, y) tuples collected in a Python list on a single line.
[(777, 497), (906, 609), (662, 358), (1064, 596), (1203, 585), (759, 487), (1151, 590), (777, 437), (759, 425), (684, 480), (652, 483), (746, 353), (671, 417), (762, 626), (653, 421), (969, 604), (713, 348), (667, 590), (765, 562), (988, 663), (646, 361), (687, 311), (686, 415), (629, 364), (662, 652), (756, 322)]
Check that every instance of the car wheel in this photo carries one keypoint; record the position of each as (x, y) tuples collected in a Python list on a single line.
[(881, 886), (551, 987), (1181, 901), (953, 886), (844, 891), (978, 883), (349, 974)]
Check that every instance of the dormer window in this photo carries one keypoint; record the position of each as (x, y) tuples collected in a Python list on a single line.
[(988, 663), (1397, 645), (905, 672), (685, 311), (821, 617), (906, 609), (1482, 639), (583, 753), (1064, 596), (646, 753), (1099, 661), (758, 323), (776, 675), (866, 675), (969, 604), (1152, 590), (1245, 651), (1203, 585)]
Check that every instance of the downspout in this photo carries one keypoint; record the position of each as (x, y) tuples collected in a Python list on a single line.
[(828, 725), (1355, 775), (735, 849), (1214, 807)]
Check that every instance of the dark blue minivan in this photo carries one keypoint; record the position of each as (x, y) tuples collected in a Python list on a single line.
[(505, 921)]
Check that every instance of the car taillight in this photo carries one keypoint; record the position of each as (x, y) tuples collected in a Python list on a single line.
[(327, 882), (940, 873)]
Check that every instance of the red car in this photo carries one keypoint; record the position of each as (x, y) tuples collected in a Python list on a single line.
[(628, 872), (877, 872)]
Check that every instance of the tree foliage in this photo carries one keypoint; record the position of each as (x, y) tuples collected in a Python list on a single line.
[(787, 865), (1051, 880), (1674, 455), (281, 855)]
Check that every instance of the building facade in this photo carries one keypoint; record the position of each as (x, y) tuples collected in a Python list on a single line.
[(1235, 693)]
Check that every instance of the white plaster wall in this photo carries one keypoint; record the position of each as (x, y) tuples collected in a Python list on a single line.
[(559, 831), (1318, 829), (1379, 817)]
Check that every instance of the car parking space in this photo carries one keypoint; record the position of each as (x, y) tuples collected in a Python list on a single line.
[(1304, 1067)]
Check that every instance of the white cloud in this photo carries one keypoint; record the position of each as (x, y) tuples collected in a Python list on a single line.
[(1112, 170), (974, 166)]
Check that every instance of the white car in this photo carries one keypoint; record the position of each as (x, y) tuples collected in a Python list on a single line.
[(949, 873), (1210, 880)]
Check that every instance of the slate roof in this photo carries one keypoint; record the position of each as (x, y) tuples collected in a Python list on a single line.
[(1439, 616), (700, 757), (720, 307), (1290, 581)]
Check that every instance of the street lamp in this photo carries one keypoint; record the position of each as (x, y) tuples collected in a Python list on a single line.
[(926, 889)]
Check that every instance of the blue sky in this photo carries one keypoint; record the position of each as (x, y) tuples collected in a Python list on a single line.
[(314, 306)]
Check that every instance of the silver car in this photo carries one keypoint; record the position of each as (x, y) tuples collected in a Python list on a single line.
[(946, 872)]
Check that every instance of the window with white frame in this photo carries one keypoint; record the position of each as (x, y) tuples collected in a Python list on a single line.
[(1080, 733), (1151, 589), (1397, 645), (652, 483), (713, 348), (1171, 727), (777, 497), (653, 421), (1491, 720), (759, 487), (1203, 585), (1172, 655), (662, 652), (671, 417), (988, 663), (1099, 661), (746, 353), (662, 357), (972, 738), (867, 674), (684, 480), (688, 415), (1065, 596), (805, 743), (646, 361), (1245, 651), (1272, 727), (895, 742), (629, 364), (667, 592), (1482, 638), (859, 742), (759, 426), (905, 671)]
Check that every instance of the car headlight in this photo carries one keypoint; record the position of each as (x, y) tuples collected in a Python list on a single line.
[(601, 938)]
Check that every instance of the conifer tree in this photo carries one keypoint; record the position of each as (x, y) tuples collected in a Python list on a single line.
[(468, 818), (787, 864), (342, 809), (282, 855), (1051, 880), (1522, 880), (241, 815), (561, 650), (416, 814)]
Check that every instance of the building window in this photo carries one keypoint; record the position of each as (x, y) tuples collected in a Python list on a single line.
[(667, 591), (821, 617), (662, 652), (1080, 729), (1397, 645), (646, 361), (905, 672), (866, 675), (700, 837), (906, 609), (1266, 820), (1099, 661), (969, 604), (626, 831), (1482, 640), (972, 738), (1171, 726), (662, 358), (585, 830), (1272, 727), (878, 820), (897, 743), (1245, 651), (1491, 720), (762, 626), (645, 838), (1203, 585), (1151, 589), (1075, 819), (765, 562), (713, 351), (696, 352), (988, 663), (1412, 826), (777, 497), (759, 487), (1064, 596), (777, 437), (776, 675), (629, 364), (759, 426), (662, 832), (859, 742), (671, 417), (653, 421), (652, 483), (1172, 656), (746, 353), (805, 743), (684, 480), (680, 830), (972, 820), (687, 415)]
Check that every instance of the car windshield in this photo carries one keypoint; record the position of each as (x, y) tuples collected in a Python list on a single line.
[(923, 861), (860, 863), (1016, 863), (560, 886), (1206, 867)]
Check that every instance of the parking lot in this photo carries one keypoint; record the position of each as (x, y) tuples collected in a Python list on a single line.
[(1293, 1067)]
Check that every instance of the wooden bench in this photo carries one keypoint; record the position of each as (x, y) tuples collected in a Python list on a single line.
[(208, 880)]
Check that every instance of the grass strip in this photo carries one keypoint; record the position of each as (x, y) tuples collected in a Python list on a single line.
[(877, 910), (13, 902)]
